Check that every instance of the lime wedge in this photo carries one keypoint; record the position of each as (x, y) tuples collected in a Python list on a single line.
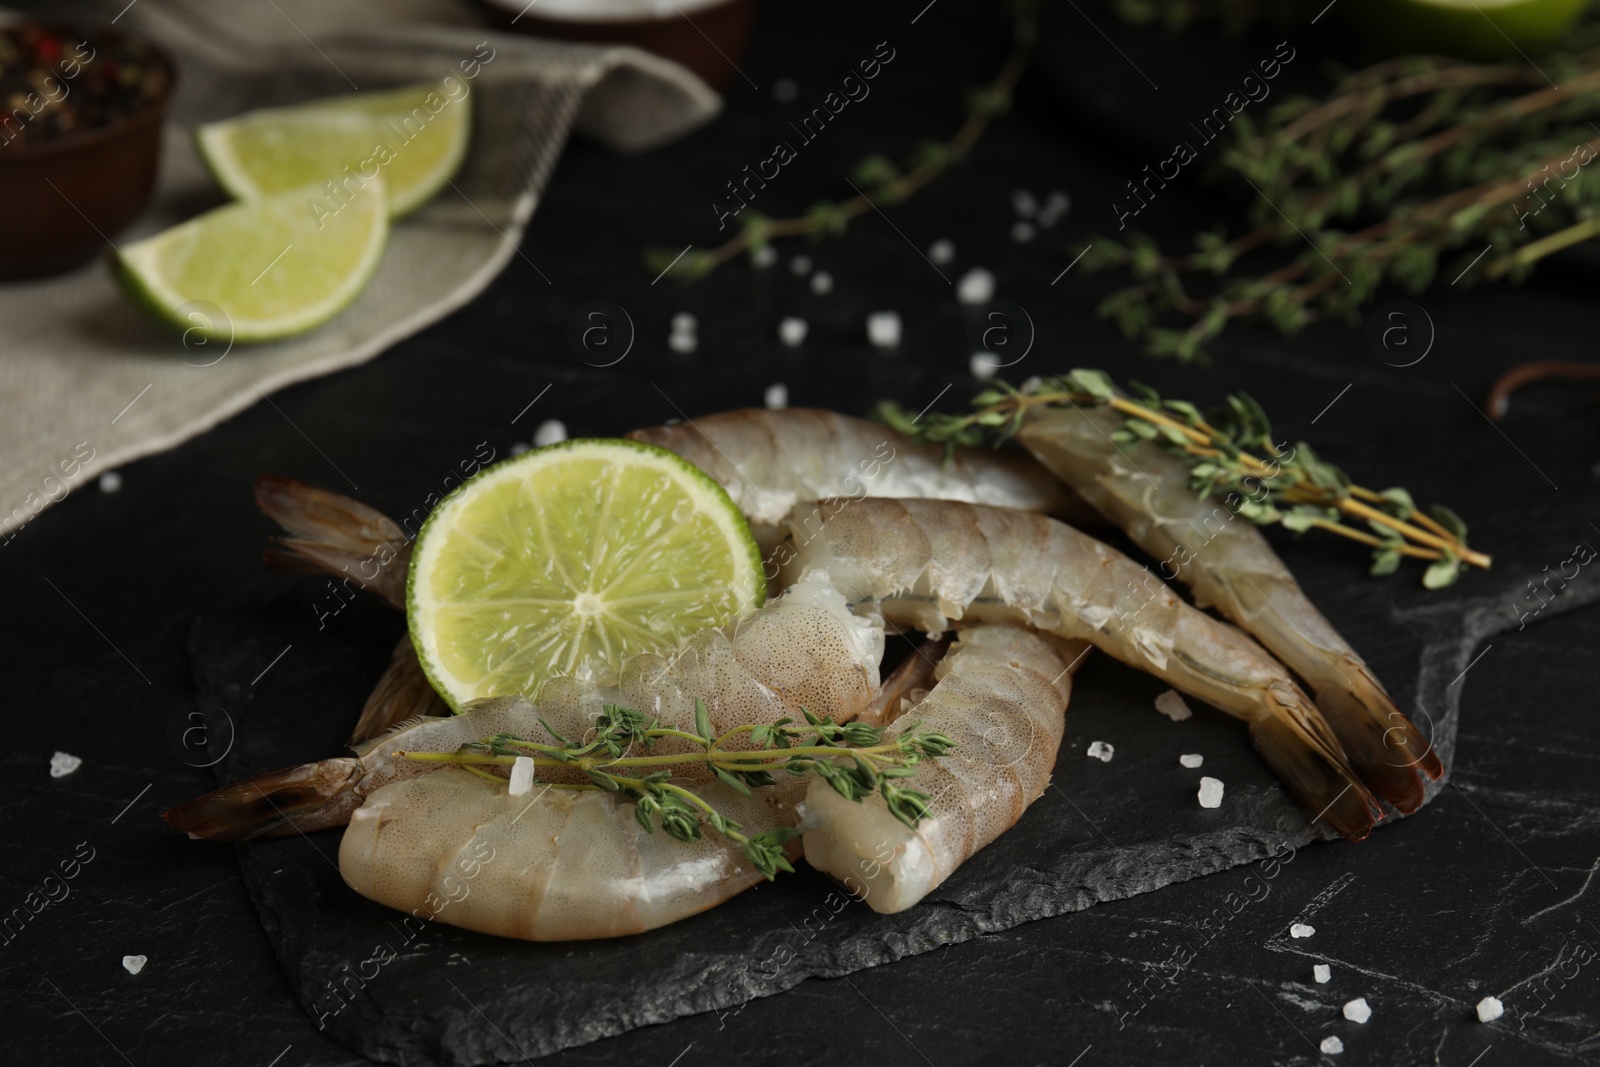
[(1471, 29), (416, 137), (263, 270), (585, 552)]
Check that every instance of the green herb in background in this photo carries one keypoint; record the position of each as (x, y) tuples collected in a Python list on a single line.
[(1221, 450)]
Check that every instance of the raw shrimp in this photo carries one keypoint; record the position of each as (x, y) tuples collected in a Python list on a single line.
[(1001, 694), (770, 460), (1230, 566), (931, 563)]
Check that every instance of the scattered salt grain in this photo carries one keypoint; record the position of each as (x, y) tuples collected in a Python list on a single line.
[(1055, 206), (942, 251), (764, 257), (883, 329), (1191, 759), (1358, 1011), (682, 342), (1299, 930), (683, 322), (1322, 973), (1101, 751), (1024, 203), (821, 282), (785, 90), (800, 264), (134, 964), (1490, 1009), (522, 776), (1211, 792), (983, 365), (63, 764), (110, 482), (975, 287), (1172, 706), (776, 397), (550, 432), (519, 448), (1022, 232), (1332, 1046), (792, 331)]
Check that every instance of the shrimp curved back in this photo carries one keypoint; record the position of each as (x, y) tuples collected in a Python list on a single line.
[(770, 460), (932, 563), (1232, 567), (1000, 696)]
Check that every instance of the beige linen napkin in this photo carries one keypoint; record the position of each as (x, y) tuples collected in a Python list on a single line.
[(88, 382)]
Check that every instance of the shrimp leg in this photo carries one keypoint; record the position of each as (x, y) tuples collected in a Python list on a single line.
[(1001, 694), (929, 563), (1231, 566)]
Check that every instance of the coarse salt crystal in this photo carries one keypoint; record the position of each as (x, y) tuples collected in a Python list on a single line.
[(522, 776), (1358, 1011), (63, 764), (1322, 973), (1211, 792), (883, 329), (792, 331), (942, 251), (110, 482), (983, 365), (1191, 759), (1023, 232), (776, 398), (1173, 707), (785, 90), (821, 282), (975, 287), (1055, 206), (764, 257), (683, 322), (1101, 751), (1332, 1046), (1299, 930), (519, 448), (1024, 203), (800, 264), (1490, 1009), (550, 431), (682, 342), (134, 964)]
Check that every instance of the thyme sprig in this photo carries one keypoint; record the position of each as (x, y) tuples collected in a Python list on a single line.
[(1231, 455), (1406, 164), (878, 180), (853, 758)]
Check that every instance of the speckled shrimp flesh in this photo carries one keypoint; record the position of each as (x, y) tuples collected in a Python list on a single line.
[(1230, 566), (1000, 695), (803, 649), (933, 564), (768, 461)]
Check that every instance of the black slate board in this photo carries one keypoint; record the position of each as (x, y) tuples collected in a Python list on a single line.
[(1103, 832)]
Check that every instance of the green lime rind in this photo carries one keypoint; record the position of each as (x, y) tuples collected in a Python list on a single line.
[(603, 536), (1469, 29)]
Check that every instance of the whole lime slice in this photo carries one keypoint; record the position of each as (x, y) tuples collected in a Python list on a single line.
[(583, 553), (1471, 29), (259, 271), (415, 137)]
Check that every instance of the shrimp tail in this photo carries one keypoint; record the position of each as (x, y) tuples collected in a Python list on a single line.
[(333, 534), (914, 672), (1384, 746), (1316, 776), (311, 796), (403, 693)]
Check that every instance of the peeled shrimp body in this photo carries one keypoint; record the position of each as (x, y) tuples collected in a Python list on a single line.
[(1230, 565), (768, 461), (1001, 694), (933, 563)]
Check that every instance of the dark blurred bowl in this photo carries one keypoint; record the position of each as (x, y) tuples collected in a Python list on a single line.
[(711, 45), (66, 198)]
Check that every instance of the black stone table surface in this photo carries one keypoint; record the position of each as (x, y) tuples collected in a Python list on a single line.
[(116, 602)]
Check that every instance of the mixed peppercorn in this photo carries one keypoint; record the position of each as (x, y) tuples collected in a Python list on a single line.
[(52, 86)]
